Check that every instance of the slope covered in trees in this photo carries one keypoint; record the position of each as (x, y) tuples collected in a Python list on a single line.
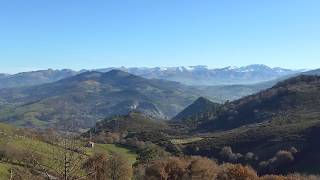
[(284, 116), (90, 96), (201, 109)]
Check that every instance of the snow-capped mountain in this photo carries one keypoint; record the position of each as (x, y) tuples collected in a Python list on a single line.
[(203, 75), (189, 75)]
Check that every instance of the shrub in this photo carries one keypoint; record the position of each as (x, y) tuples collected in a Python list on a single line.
[(250, 156), (99, 166), (203, 168), (119, 168), (227, 154), (289, 177), (150, 153), (293, 150), (170, 168), (2, 153), (272, 177), (236, 172), (281, 158), (96, 166), (284, 156)]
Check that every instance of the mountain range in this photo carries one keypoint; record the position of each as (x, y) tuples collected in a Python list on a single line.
[(202, 75), (87, 97), (193, 75), (33, 77), (254, 129), (261, 119)]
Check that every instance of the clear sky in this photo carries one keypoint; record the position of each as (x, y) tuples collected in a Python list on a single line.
[(41, 34)]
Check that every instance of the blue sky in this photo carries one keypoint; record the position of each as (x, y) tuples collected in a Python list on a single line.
[(41, 34)]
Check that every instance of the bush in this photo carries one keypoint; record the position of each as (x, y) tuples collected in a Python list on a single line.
[(227, 154), (281, 158), (289, 177), (97, 165), (150, 153), (203, 168), (236, 172), (250, 156), (200, 168), (170, 168), (114, 167), (119, 167), (2, 153)]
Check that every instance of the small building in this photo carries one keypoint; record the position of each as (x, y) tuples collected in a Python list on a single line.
[(90, 144)]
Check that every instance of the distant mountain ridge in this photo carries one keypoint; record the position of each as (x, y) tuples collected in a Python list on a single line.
[(202, 75), (191, 75), (90, 96), (34, 77)]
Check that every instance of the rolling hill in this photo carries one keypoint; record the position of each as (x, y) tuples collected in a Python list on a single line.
[(264, 124), (201, 109), (287, 97), (90, 96), (134, 122), (284, 116)]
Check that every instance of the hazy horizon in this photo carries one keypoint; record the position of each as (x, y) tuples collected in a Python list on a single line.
[(97, 68)]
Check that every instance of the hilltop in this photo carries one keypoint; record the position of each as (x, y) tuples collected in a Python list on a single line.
[(90, 96), (200, 110), (284, 116)]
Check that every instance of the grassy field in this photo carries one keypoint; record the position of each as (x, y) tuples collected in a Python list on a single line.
[(186, 140), (4, 171), (112, 148), (8, 137)]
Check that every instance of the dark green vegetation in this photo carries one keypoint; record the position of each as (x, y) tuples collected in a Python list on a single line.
[(201, 109), (90, 96), (287, 101), (85, 98), (275, 130), (133, 122), (285, 116)]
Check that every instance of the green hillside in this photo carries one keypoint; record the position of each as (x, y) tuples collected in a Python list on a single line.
[(275, 119), (22, 142), (91, 96)]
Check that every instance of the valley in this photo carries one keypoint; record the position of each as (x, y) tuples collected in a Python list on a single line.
[(124, 116)]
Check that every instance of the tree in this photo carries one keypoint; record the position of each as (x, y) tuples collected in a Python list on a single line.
[(66, 160), (150, 153), (203, 168), (119, 167), (227, 154), (236, 172), (102, 167), (171, 168), (96, 166)]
